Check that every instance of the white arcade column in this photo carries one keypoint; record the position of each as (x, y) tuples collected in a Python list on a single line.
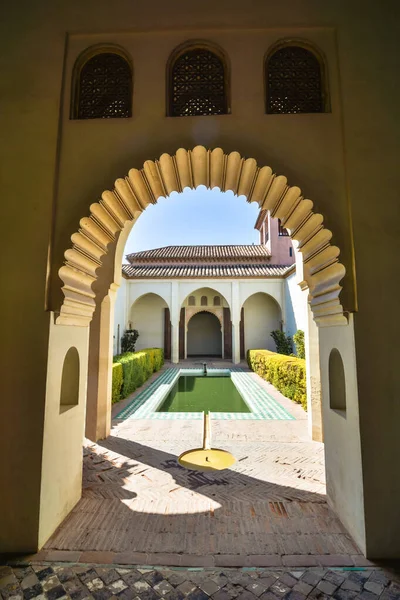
[(235, 316), (175, 342), (236, 342), (175, 318), (313, 379)]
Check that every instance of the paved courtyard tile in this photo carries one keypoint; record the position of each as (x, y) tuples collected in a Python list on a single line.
[(50, 581), (269, 509)]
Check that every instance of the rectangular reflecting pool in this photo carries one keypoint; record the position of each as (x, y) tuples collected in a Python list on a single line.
[(193, 393)]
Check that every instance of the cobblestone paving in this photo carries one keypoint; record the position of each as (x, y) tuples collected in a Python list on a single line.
[(268, 507), (47, 581)]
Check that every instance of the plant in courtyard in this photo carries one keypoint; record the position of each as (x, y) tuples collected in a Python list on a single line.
[(131, 369), (298, 339), (286, 373), (282, 341), (128, 340), (117, 376)]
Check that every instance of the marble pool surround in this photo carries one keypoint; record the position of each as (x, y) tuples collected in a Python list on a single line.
[(146, 403)]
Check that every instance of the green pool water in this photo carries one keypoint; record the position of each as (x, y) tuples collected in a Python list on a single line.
[(196, 394)]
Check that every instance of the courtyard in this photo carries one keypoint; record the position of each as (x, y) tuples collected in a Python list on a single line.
[(139, 506)]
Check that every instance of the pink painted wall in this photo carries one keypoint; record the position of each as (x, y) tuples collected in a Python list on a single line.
[(278, 245)]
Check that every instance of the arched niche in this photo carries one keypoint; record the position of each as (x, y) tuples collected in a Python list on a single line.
[(337, 381), (69, 391)]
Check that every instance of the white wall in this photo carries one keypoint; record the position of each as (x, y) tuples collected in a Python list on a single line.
[(344, 476), (63, 431), (261, 316), (209, 293), (147, 316), (174, 293), (120, 315), (295, 305)]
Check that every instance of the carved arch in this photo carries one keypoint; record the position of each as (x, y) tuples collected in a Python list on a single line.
[(204, 309), (192, 168), (136, 297)]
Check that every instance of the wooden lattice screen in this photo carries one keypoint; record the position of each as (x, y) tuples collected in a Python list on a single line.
[(197, 84), (294, 83), (104, 88)]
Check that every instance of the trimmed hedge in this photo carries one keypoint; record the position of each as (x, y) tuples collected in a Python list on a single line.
[(286, 373), (136, 368), (116, 382)]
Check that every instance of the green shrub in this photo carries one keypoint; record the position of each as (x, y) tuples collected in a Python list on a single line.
[(298, 339), (137, 367), (156, 356), (282, 341), (128, 340), (286, 373), (116, 382)]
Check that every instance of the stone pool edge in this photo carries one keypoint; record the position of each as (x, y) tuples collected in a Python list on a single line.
[(262, 405)]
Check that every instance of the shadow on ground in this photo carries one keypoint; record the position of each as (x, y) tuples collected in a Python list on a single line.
[(138, 498)]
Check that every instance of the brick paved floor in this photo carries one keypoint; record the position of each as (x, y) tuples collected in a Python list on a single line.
[(269, 509), (46, 581)]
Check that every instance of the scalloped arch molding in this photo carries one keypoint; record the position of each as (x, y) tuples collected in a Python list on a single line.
[(192, 168)]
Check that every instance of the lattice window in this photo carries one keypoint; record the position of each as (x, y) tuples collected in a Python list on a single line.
[(204, 301), (104, 88), (197, 84), (192, 301), (294, 81)]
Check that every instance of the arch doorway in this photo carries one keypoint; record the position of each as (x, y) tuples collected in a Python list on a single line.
[(100, 239), (147, 316), (204, 335), (261, 315)]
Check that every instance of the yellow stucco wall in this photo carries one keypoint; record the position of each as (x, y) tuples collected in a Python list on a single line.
[(63, 432), (53, 168)]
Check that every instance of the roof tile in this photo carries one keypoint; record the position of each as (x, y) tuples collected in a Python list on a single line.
[(211, 270), (248, 251)]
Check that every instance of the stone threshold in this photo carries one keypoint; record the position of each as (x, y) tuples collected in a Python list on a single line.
[(191, 560)]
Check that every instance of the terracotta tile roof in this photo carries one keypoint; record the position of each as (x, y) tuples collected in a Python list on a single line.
[(209, 270), (207, 253)]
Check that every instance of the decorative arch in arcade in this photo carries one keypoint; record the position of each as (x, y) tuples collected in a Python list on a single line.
[(192, 168), (210, 338), (220, 311)]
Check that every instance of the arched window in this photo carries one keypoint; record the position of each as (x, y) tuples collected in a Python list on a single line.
[(192, 301), (217, 301), (204, 301), (294, 80), (282, 231), (102, 85), (337, 381), (197, 82)]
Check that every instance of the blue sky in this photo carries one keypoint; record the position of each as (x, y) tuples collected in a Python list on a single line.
[(195, 217)]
